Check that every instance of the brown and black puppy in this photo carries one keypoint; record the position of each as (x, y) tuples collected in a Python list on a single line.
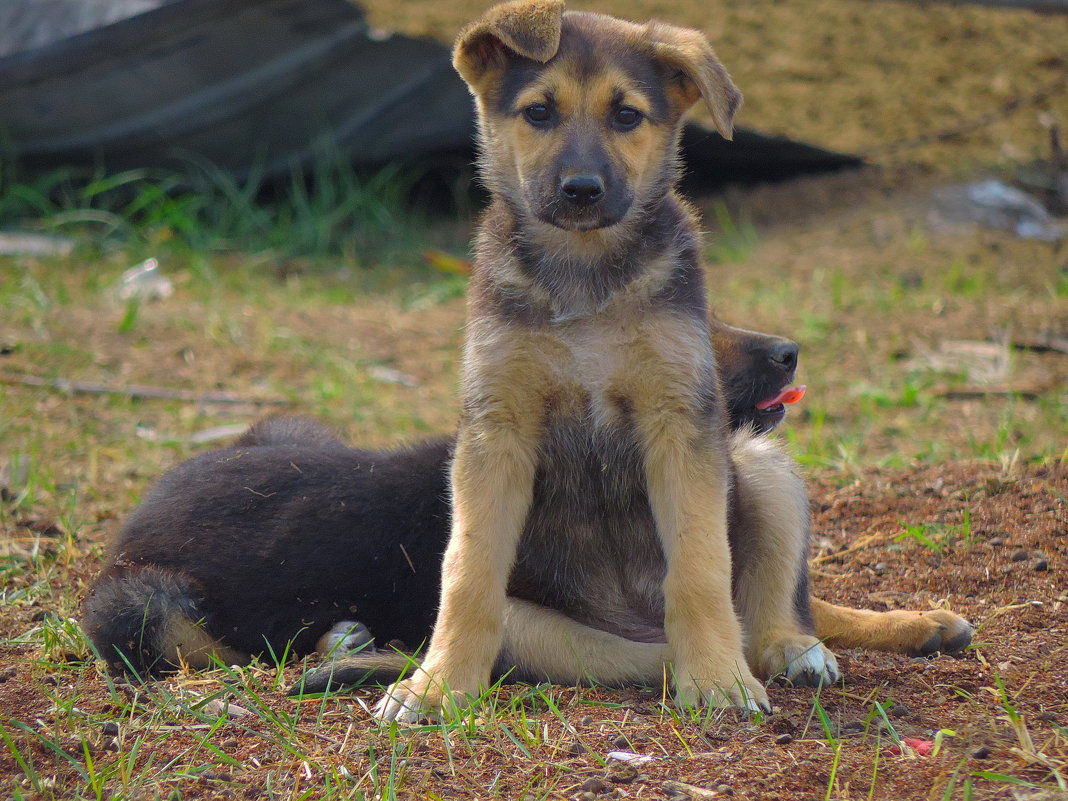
[(588, 388)]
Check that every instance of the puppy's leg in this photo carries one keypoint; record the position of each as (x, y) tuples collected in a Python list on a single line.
[(492, 485), (543, 644), (687, 479), (770, 540), (903, 632)]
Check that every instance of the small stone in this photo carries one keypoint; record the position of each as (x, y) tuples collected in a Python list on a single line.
[(576, 748), (880, 567), (111, 744), (899, 711), (110, 728), (594, 785), (622, 772), (1049, 717), (1042, 564), (585, 795), (1019, 555), (783, 739), (621, 741), (852, 727), (997, 541), (982, 752), (586, 721), (725, 789)]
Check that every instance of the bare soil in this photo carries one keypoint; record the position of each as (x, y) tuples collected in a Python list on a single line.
[(1006, 573)]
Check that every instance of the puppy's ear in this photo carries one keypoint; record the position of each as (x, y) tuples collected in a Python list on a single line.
[(528, 28), (695, 72)]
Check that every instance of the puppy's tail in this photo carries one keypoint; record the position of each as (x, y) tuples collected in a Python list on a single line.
[(147, 621), (375, 667), (289, 429)]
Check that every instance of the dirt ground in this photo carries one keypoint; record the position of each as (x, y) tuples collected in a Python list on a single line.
[(931, 485), (1004, 702)]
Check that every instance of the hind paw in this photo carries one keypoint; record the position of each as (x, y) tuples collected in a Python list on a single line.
[(934, 631), (346, 636), (800, 659)]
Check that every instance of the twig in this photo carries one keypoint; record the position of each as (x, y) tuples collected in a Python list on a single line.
[(1042, 344), (136, 391), (978, 393)]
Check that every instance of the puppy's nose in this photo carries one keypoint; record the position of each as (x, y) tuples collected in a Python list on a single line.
[(582, 190), (784, 355)]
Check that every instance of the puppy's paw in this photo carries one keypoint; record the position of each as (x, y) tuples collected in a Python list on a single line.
[(421, 697), (738, 688), (346, 636), (925, 633), (800, 659)]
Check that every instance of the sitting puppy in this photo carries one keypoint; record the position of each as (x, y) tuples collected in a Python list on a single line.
[(277, 545)]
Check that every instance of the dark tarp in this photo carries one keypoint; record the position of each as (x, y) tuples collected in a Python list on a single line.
[(268, 84)]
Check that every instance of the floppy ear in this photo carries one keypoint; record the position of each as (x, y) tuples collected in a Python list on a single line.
[(695, 72), (528, 28)]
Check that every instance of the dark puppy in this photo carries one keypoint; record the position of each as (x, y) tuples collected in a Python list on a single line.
[(266, 546), (280, 543)]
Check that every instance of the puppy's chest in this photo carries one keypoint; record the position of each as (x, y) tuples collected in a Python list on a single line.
[(595, 380)]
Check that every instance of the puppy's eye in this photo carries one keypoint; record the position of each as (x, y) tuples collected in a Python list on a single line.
[(537, 113), (626, 117)]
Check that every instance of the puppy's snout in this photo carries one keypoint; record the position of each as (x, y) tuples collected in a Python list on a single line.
[(783, 354), (582, 190)]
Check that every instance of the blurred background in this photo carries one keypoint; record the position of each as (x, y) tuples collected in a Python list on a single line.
[(273, 199)]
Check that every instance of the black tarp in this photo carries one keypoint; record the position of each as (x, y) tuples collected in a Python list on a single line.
[(269, 84)]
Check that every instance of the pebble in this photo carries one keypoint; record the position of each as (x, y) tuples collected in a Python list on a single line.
[(576, 748), (852, 727), (110, 728), (1019, 555), (783, 739), (997, 541), (982, 752), (586, 721), (594, 785), (585, 795), (1042, 564), (726, 789), (621, 741), (622, 772), (899, 711)]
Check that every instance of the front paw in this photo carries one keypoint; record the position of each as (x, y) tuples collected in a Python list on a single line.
[(799, 658), (721, 688), (423, 696)]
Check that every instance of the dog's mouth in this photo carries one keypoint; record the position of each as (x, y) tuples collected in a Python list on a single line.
[(775, 406)]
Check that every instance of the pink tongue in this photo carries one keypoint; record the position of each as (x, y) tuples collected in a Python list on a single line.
[(787, 396)]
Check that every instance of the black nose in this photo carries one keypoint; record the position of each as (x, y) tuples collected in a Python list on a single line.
[(582, 190), (784, 354)]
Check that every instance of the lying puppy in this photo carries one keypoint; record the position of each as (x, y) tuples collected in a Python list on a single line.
[(279, 544), (266, 546)]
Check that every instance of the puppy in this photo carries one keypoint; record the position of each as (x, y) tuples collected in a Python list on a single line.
[(340, 534), (345, 535), (589, 390)]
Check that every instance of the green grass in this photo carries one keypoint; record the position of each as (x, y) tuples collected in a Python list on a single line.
[(330, 210)]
